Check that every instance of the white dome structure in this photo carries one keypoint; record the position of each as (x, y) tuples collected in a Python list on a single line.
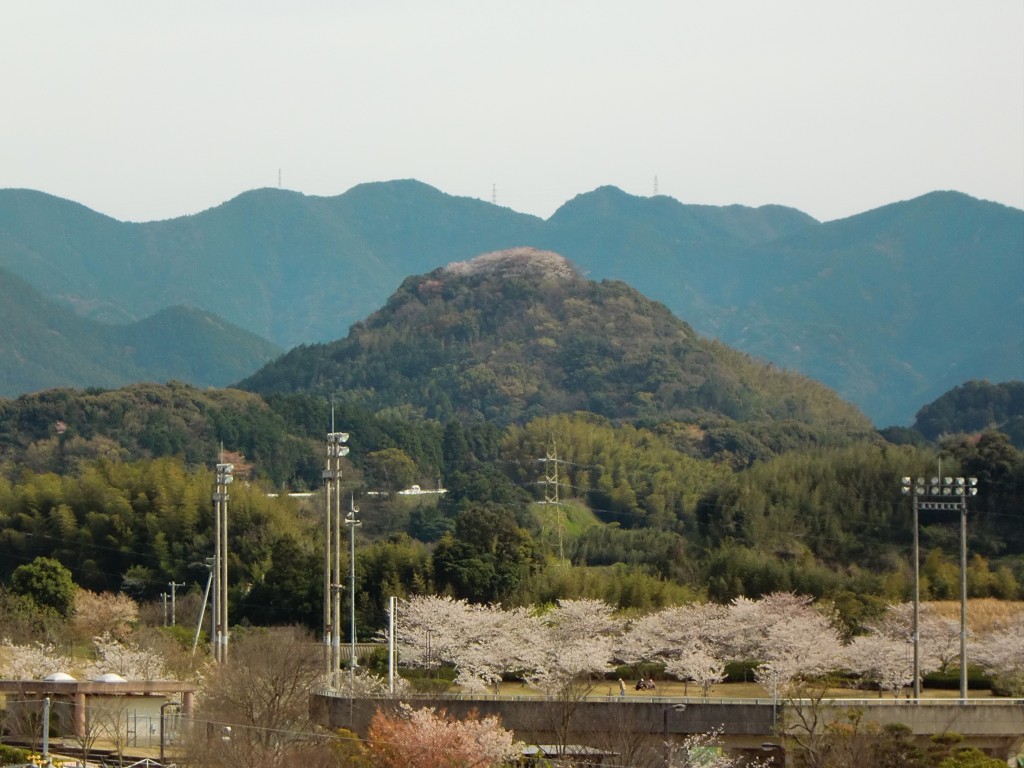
[(110, 677), (60, 677)]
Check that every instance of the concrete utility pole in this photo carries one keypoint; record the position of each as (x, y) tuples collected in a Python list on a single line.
[(336, 449), (174, 588), (220, 565), (352, 523)]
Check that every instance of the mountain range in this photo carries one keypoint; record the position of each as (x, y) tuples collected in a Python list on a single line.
[(891, 307)]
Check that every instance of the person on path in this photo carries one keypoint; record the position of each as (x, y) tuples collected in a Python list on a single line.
[(622, 687)]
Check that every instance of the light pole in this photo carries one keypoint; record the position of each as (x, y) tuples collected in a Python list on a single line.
[(352, 523), (941, 494), (223, 478)]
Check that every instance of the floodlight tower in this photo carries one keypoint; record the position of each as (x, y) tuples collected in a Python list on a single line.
[(941, 494)]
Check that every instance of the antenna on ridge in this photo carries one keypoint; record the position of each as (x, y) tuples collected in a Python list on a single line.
[(278, 178), (494, 194), (655, 184)]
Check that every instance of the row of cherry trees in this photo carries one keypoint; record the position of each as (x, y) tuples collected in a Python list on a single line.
[(793, 639)]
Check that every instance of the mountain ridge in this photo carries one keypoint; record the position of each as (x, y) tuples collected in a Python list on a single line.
[(300, 269)]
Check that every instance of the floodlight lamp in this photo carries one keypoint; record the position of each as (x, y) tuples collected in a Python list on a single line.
[(946, 490), (920, 481), (920, 490), (906, 490), (972, 480), (974, 491), (960, 481), (905, 481), (934, 490), (947, 480), (935, 481)]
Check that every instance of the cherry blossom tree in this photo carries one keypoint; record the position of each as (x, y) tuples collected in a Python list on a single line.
[(125, 659), (479, 641), (940, 637), (570, 644), (97, 613), (699, 664), (427, 738), (888, 662), (1001, 653), (795, 640), (32, 661)]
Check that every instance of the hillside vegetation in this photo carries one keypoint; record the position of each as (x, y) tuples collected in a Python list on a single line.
[(517, 334), (45, 345)]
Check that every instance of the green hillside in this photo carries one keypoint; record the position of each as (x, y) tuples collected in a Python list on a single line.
[(516, 334), (44, 345)]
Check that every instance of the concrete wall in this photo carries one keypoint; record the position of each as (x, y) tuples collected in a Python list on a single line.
[(997, 727)]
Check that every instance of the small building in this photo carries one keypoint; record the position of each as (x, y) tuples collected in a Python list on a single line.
[(109, 708)]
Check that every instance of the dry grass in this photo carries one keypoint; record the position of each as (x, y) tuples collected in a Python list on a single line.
[(982, 614)]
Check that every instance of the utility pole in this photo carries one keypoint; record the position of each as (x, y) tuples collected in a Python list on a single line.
[(174, 588), (352, 523), (223, 478), (336, 449)]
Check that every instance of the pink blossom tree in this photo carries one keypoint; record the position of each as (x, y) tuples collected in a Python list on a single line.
[(427, 738)]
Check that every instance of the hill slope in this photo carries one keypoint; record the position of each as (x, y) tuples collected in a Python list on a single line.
[(44, 345), (516, 334)]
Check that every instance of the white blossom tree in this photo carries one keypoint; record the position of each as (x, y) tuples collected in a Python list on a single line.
[(479, 641), (1001, 653), (570, 644), (883, 660), (32, 661), (699, 664), (125, 659)]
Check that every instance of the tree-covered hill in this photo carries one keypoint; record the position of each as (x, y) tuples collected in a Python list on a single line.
[(516, 334), (890, 308), (43, 345), (974, 407), (58, 429)]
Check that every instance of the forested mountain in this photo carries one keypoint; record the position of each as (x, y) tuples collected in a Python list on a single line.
[(974, 407), (890, 308), (43, 344), (512, 335)]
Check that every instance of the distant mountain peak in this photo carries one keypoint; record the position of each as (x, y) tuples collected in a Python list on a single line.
[(519, 262)]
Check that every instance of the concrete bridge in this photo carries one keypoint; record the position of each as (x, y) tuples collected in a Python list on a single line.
[(646, 724)]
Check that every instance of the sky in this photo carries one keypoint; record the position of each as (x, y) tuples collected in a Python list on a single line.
[(152, 110)]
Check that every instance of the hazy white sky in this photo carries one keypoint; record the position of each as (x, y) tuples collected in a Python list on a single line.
[(149, 110)]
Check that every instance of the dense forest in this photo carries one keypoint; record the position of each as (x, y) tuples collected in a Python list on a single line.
[(116, 486)]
